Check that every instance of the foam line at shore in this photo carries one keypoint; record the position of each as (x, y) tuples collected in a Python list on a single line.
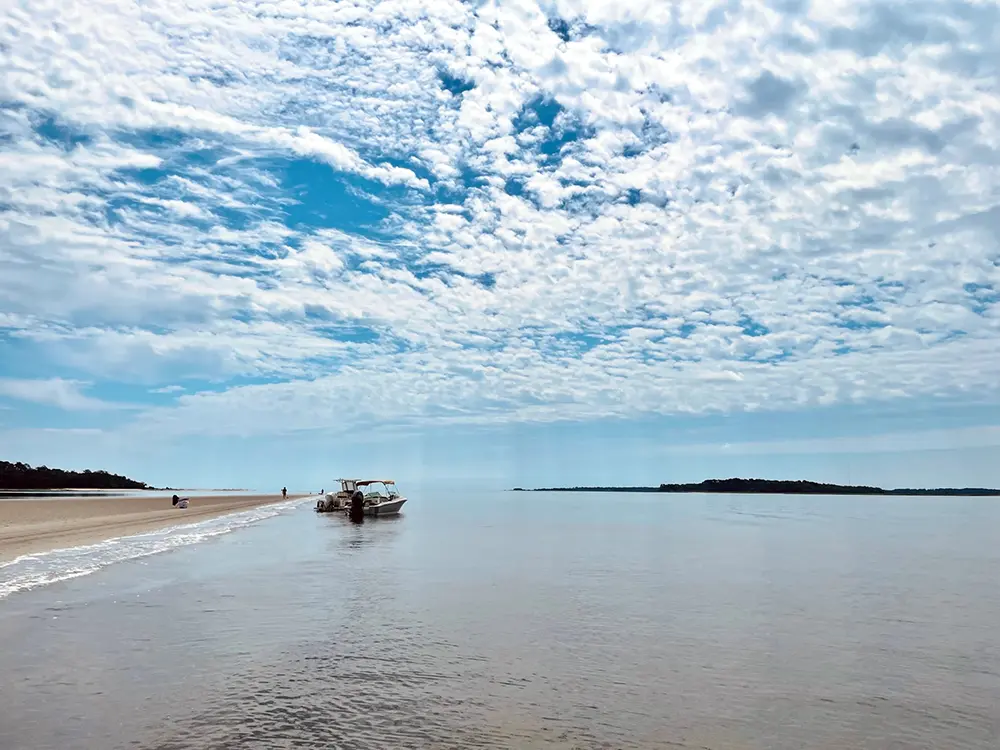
[(43, 568)]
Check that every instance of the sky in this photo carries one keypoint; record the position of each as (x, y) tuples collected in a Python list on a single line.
[(520, 242)]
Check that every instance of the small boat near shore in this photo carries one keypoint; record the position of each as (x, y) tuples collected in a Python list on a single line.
[(374, 501)]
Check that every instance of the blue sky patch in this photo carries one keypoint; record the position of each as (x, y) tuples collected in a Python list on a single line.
[(752, 328), (457, 86), (324, 197), (61, 134)]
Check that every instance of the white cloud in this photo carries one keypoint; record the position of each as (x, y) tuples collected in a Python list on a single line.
[(984, 436), (168, 389), (719, 207), (64, 394)]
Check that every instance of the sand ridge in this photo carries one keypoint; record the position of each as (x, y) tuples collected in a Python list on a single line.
[(32, 526)]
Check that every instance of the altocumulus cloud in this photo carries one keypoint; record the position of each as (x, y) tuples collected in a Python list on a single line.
[(446, 212)]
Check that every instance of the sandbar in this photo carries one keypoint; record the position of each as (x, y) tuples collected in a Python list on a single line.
[(32, 526)]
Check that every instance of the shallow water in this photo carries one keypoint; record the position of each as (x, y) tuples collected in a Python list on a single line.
[(530, 621), (40, 569)]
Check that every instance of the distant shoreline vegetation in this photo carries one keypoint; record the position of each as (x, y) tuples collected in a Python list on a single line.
[(21, 476), (738, 486)]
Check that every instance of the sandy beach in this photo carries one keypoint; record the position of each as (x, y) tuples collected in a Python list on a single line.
[(30, 526)]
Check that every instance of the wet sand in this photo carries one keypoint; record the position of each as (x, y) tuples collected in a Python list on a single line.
[(31, 526)]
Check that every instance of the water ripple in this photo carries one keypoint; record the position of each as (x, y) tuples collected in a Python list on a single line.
[(864, 629)]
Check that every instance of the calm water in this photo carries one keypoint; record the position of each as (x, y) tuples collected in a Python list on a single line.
[(530, 621)]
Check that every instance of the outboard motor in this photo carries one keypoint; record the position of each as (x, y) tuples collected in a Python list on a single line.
[(357, 512)]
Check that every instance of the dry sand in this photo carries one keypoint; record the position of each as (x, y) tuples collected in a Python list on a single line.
[(29, 526)]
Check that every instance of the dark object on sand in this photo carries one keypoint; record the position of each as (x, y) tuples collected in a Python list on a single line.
[(180, 502), (357, 512)]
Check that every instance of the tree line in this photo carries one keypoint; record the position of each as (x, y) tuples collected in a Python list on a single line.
[(739, 486), (22, 476)]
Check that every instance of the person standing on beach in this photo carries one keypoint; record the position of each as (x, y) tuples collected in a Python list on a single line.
[(284, 493)]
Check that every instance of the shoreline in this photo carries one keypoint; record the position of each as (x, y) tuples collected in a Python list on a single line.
[(756, 486), (658, 491), (34, 526)]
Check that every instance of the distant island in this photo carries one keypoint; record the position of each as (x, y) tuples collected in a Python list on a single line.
[(21, 476), (737, 486)]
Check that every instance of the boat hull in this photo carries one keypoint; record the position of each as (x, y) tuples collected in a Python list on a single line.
[(386, 508)]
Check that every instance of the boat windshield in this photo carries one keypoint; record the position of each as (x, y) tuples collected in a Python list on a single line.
[(374, 488)]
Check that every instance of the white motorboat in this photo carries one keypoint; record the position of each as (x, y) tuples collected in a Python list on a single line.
[(378, 501)]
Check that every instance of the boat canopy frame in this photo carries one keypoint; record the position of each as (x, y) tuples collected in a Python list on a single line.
[(357, 483)]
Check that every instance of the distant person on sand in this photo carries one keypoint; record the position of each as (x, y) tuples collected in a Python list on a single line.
[(284, 492), (180, 502)]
